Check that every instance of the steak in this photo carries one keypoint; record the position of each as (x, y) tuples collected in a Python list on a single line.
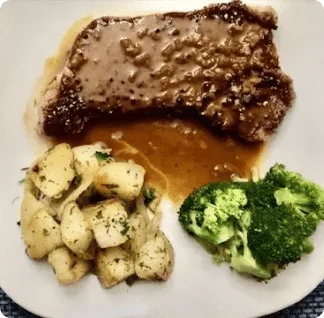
[(219, 63)]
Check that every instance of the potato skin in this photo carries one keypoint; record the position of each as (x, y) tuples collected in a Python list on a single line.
[(113, 266), (120, 178), (109, 222), (43, 235), (76, 232), (155, 259), (68, 268)]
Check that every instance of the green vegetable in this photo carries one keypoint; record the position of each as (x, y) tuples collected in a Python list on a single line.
[(102, 156), (242, 259), (149, 195), (295, 190), (211, 212), (257, 227), (77, 179), (279, 235), (125, 229)]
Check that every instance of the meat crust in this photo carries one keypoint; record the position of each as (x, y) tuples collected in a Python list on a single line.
[(219, 63)]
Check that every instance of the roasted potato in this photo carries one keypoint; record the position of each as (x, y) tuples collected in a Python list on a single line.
[(30, 205), (85, 158), (120, 178), (137, 232), (29, 185), (91, 252), (86, 165), (155, 259), (76, 232), (42, 234), (113, 266), (67, 267), (73, 196), (58, 218), (109, 222), (53, 172)]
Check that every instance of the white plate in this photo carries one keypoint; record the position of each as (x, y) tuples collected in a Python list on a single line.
[(30, 31)]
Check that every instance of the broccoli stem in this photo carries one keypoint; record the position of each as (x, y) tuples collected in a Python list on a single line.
[(245, 262)]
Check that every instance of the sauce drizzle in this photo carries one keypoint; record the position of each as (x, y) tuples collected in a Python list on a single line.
[(179, 155)]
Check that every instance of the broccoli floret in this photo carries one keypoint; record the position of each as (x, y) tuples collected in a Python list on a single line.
[(222, 253), (242, 259), (261, 194), (279, 234), (213, 229), (295, 190), (257, 227), (210, 212)]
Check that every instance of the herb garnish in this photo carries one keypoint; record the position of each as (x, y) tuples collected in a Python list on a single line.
[(126, 228), (149, 195), (102, 156)]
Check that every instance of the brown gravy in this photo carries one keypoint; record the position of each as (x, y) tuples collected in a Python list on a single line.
[(179, 154)]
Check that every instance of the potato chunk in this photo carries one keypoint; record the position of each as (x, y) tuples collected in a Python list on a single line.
[(120, 178), (30, 205), (85, 159), (54, 171), (42, 235), (76, 232), (68, 268), (109, 222), (114, 265), (155, 259), (138, 228)]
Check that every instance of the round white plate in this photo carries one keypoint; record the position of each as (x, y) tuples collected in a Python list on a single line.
[(30, 31)]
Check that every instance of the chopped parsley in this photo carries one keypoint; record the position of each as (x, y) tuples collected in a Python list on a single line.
[(77, 179), (22, 180), (15, 199), (126, 228), (149, 195), (102, 156)]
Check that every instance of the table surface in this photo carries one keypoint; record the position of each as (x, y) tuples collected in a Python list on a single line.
[(311, 306)]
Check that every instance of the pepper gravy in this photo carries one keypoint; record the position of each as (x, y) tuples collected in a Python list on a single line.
[(179, 155)]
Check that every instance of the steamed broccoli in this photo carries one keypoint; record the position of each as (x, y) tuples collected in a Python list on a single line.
[(295, 190), (212, 211), (218, 213), (242, 259), (279, 235), (257, 227), (279, 231)]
